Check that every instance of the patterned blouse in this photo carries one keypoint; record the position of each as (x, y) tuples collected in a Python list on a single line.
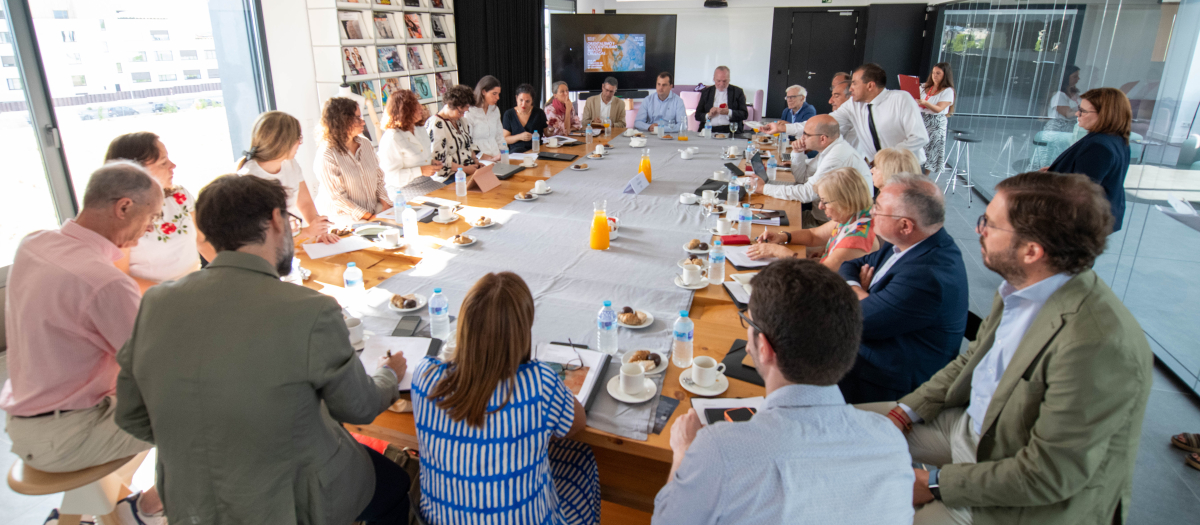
[(169, 252), (556, 120), (499, 473), (451, 143), (858, 232)]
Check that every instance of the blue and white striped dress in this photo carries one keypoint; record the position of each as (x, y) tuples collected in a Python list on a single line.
[(508, 471)]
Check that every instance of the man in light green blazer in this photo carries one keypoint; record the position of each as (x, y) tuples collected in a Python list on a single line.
[(605, 105), (243, 381), (1039, 421)]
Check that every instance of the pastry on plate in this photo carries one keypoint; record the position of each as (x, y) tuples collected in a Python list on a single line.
[(404, 301), (522, 196), (694, 261), (483, 221), (646, 359), (461, 239), (631, 317), (581, 166), (694, 244)]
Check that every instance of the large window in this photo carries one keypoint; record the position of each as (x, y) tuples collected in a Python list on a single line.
[(159, 35), (188, 55), (191, 74), (164, 56), (169, 77), (8, 61), (140, 76)]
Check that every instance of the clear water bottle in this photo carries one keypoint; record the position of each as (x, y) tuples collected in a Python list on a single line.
[(460, 183), (772, 167), (439, 315), (734, 194), (537, 142), (503, 152), (708, 129), (749, 149), (408, 219), (352, 279), (744, 220), (606, 329), (587, 135), (398, 202), (716, 263), (681, 346)]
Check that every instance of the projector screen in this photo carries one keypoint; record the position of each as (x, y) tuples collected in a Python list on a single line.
[(634, 49)]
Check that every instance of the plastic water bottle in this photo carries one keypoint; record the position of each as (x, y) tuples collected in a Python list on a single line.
[(408, 218), (734, 194), (681, 346), (744, 220), (587, 135), (439, 315), (716, 263), (708, 129), (537, 142), (749, 149), (606, 329), (772, 167), (352, 279), (504, 153), (460, 183)]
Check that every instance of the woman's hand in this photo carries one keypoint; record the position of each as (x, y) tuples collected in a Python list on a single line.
[(493, 158), (525, 136), (772, 237), (768, 251), (431, 169)]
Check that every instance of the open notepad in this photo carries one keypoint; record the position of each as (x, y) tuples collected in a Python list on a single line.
[(413, 349), (581, 368)]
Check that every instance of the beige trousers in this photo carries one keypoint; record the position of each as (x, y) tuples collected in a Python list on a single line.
[(73, 440), (947, 439)]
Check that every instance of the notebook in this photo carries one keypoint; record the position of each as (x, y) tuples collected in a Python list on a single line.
[(910, 84)]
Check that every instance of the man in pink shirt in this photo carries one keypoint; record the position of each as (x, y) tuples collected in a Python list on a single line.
[(69, 311)]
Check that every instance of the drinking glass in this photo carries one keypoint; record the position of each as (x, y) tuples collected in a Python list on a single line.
[(706, 207), (733, 128), (607, 127)]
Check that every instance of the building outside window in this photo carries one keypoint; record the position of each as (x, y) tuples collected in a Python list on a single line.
[(210, 54), (9, 61), (164, 56), (119, 68), (62, 15), (188, 55), (214, 73), (74, 59), (78, 80), (159, 35), (170, 77), (191, 74), (140, 77), (5, 37), (14, 83), (139, 56)]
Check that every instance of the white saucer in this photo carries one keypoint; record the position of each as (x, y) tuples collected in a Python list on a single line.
[(421, 301), (388, 246), (730, 157), (649, 321), (359, 345), (594, 156), (439, 220), (702, 284), (614, 390), (721, 209), (488, 225), (450, 241), (547, 192), (682, 261), (697, 252), (532, 197), (575, 167), (718, 387), (662, 366)]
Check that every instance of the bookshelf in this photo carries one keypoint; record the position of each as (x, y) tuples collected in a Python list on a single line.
[(383, 46)]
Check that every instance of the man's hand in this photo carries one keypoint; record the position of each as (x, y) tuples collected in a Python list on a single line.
[(712, 113), (921, 493), (683, 432), (395, 362), (651, 128), (865, 274)]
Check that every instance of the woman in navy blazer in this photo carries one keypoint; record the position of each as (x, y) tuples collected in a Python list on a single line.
[(1103, 154)]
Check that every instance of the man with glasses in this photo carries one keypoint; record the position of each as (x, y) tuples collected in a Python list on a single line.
[(805, 456), (1039, 421), (821, 135), (243, 382), (606, 105), (913, 292), (797, 111), (69, 310)]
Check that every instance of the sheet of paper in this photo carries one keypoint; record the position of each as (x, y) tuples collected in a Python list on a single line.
[(436, 201), (636, 184), (1180, 205), (562, 139), (767, 222), (744, 280), (701, 404), (422, 212), (737, 291), (520, 156), (413, 349), (486, 162), (737, 256), (1191, 220), (581, 381), (349, 244)]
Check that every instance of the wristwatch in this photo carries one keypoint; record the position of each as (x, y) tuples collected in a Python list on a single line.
[(933, 483), (789, 237)]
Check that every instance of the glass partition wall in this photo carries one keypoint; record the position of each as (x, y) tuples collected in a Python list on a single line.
[(1018, 69)]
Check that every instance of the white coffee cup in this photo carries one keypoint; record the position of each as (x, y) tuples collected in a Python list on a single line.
[(731, 151), (600, 149), (540, 186), (691, 275), (724, 226), (708, 196), (632, 379), (614, 228), (529, 160), (391, 236), (445, 212), (553, 142), (629, 132), (355, 326), (685, 154), (687, 198), (705, 370)]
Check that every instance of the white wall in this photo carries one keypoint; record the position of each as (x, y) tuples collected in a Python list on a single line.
[(290, 51)]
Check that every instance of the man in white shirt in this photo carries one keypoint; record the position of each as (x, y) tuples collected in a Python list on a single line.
[(721, 103), (881, 118), (605, 105), (821, 134)]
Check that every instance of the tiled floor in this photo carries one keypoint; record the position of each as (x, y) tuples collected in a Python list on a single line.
[(1165, 489)]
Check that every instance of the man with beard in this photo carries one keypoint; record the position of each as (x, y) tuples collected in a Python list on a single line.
[(1039, 421), (243, 381), (913, 292)]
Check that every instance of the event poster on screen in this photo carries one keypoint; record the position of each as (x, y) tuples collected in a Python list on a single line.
[(608, 53)]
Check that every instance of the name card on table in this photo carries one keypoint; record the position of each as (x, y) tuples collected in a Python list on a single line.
[(636, 184), (484, 180)]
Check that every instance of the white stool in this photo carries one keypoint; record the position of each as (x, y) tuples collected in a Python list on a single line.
[(93, 491)]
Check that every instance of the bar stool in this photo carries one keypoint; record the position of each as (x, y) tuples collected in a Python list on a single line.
[(954, 149), (963, 143), (92, 491)]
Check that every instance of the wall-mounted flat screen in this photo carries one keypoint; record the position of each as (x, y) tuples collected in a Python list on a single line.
[(634, 49)]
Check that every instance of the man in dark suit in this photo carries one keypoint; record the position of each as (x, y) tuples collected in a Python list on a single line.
[(721, 103), (913, 292)]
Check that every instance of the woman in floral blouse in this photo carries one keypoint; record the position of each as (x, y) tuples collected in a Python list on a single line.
[(560, 112), (174, 248), (450, 136)]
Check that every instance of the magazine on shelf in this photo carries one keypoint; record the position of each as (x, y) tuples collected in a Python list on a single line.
[(389, 59), (416, 29), (368, 91), (420, 86), (397, 21), (437, 24), (392, 85), (356, 60), (383, 27), (441, 83), (351, 24), (439, 4), (441, 59), (416, 59), (413, 3), (383, 2)]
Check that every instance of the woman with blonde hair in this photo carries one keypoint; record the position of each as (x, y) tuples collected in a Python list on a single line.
[(346, 165), (846, 199), (890, 161), (404, 154), (272, 155), (493, 401), (1102, 154)]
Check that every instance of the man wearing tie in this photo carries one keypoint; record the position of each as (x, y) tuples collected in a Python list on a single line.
[(881, 118)]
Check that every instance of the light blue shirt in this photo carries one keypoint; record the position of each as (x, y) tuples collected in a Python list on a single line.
[(1020, 309), (897, 253), (806, 457), (671, 111)]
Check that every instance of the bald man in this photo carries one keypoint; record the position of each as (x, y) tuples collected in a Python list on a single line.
[(820, 134)]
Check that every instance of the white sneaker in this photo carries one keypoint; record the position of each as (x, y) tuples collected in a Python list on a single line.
[(128, 513)]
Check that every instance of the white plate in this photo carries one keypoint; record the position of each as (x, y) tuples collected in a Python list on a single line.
[(648, 392), (450, 241), (532, 197), (388, 246), (530, 167), (662, 365), (702, 284), (488, 225), (697, 252), (721, 209), (718, 387), (595, 156), (575, 167), (438, 219), (371, 229), (547, 192), (421, 300), (649, 321), (682, 262)]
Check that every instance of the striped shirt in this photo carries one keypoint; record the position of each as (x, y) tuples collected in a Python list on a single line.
[(500, 473), (353, 184)]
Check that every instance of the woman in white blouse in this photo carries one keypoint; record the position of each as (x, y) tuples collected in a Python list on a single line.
[(937, 103), (484, 116), (404, 155), (272, 155)]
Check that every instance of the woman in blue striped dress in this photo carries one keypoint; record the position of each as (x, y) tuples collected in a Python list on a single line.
[(492, 425)]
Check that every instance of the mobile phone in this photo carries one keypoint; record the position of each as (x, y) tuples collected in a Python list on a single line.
[(407, 326), (737, 172), (739, 414)]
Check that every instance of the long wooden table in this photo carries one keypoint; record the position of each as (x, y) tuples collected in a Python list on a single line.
[(631, 472)]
